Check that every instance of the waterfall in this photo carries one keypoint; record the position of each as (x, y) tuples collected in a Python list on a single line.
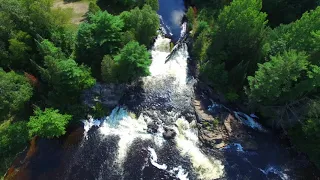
[(169, 81)]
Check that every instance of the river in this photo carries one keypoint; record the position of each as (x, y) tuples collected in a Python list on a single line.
[(129, 143)]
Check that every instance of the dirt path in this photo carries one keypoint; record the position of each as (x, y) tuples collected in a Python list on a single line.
[(79, 9)]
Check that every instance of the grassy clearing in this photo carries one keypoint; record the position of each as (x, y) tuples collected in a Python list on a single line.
[(77, 9)]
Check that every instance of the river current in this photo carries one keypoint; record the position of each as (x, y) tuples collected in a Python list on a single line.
[(129, 143)]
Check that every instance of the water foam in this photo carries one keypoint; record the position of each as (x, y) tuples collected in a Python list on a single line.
[(206, 167), (238, 147), (154, 159), (176, 67), (120, 123), (275, 170), (180, 173), (249, 121), (88, 124)]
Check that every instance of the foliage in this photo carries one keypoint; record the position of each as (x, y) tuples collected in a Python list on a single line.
[(154, 4), (47, 48), (15, 92), (64, 77), (277, 77), (302, 35), (99, 111), (132, 62), (99, 36), (143, 23), (107, 69), (13, 138), (93, 8), (216, 4), (129, 4), (67, 77), (306, 136), (286, 11), (21, 22), (65, 39), (191, 17), (236, 43), (48, 123), (19, 47)]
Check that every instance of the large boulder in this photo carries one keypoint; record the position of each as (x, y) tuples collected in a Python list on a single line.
[(169, 133), (108, 95), (152, 127)]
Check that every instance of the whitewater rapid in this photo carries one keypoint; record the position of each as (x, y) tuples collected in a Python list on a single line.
[(130, 127)]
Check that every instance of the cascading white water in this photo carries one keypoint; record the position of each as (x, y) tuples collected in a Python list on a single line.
[(176, 67), (128, 128), (187, 141), (154, 159)]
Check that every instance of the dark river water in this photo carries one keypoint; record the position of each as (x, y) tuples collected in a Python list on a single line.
[(131, 147)]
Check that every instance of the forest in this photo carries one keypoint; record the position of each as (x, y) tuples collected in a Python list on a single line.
[(261, 53), (265, 53)]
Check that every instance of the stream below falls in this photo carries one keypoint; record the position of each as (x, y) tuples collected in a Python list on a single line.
[(129, 144)]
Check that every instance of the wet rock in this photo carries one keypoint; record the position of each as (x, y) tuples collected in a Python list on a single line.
[(169, 133), (152, 127), (220, 145), (89, 117), (227, 124), (249, 145), (201, 112), (108, 95)]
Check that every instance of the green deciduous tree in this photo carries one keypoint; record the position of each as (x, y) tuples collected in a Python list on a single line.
[(107, 69), (99, 36), (154, 4), (15, 91), (301, 35), (191, 16), (65, 77), (93, 8), (21, 22), (277, 77), (306, 135), (143, 23), (132, 62), (49, 123), (19, 47), (237, 42), (13, 137)]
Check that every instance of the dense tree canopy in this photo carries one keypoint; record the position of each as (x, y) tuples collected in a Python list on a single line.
[(99, 36), (236, 44), (132, 62), (48, 123), (278, 68), (13, 136), (302, 35), (15, 91), (277, 77), (143, 23), (21, 21), (64, 75), (108, 69)]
